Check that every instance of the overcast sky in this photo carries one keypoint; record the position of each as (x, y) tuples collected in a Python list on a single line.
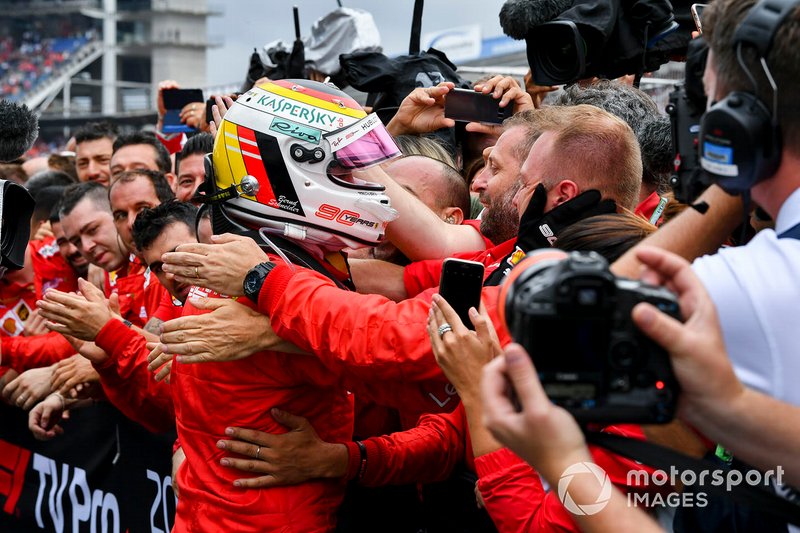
[(252, 23)]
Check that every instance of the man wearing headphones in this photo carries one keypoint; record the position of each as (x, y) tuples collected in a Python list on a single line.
[(750, 144)]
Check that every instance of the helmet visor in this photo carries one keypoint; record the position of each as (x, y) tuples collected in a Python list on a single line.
[(361, 145)]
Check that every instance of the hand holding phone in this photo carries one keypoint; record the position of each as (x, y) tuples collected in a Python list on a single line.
[(174, 101), (465, 105), (461, 285), (697, 15)]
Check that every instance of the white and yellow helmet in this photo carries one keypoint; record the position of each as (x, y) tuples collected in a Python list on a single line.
[(283, 159)]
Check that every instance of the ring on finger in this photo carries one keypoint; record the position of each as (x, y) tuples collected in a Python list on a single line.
[(444, 328), (196, 273), (21, 400), (258, 452)]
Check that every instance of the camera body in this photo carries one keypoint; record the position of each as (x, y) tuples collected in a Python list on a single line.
[(689, 180), (574, 317)]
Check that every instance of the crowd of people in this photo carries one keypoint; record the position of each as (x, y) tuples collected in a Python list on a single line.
[(267, 289), (29, 59)]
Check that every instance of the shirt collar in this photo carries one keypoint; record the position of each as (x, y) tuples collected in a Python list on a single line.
[(789, 213)]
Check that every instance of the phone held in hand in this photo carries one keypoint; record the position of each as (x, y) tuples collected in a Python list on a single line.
[(174, 101), (466, 105), (460, 285), (697, 15)]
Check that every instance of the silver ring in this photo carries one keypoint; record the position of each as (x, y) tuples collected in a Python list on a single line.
[(21, 400), (444, 328), (258, 452)]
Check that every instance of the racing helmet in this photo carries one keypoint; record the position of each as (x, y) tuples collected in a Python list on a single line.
[(283, 160)]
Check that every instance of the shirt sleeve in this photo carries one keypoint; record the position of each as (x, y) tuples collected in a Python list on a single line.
[(426, 453), (23, 353), (127, 382)]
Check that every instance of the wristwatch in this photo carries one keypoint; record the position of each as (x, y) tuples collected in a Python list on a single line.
[(255, 279)]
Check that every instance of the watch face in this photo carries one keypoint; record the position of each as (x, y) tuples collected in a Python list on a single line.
[(251, 281)]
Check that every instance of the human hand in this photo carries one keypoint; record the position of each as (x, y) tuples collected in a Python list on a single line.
[(96, 276), (194, 115), (422, 111), (43, 231), (43, 420), (35, 325), (561, 443), (696, 347), (88, 349), (162, 86), (218, 110), (231, 331), (538, 229), (508, 91), (287, 459), (73, 372), (159, 361), (28, 388), (220, 266), (462, 353), (177, 460), (537, 92), (80, 315)]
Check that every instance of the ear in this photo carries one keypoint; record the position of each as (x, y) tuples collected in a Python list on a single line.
[(564, 191), (453, 215), (172, 180)]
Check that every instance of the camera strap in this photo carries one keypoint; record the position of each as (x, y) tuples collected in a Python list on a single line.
[(665, 458)]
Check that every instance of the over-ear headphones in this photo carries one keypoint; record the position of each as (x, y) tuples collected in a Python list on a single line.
[(740, 140)]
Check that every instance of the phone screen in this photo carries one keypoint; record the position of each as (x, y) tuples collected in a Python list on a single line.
[(174, 101), (460, 285), (465, 105)]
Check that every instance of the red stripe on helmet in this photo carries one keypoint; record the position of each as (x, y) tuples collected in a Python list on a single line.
[(255, 166)]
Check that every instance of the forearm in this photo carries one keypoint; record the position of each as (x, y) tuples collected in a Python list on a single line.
[(418, 232), (757, 428), (426, 453), (690, 234), (24, 353), (372, 276), (482, 440)]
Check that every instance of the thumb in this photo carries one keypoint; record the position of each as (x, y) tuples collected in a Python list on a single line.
[(89, 291), (520, 371), (293, 422), (113, 303), (663, 329)]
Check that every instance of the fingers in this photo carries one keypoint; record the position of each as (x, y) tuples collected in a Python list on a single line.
[(494, 391), (660, 327), (522, 376), (483, 327), (164, 372), (670, 268), (225, 238), (90, 292), (259, 438), (175, 260), (488, 129), (444, 312), (293, 422), (257, 482)]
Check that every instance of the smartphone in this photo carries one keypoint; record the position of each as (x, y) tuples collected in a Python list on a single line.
[(210, 102), (697, 15), (461, 285), (174, 101), (466, 105)]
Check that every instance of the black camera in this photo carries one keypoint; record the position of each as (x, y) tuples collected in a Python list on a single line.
[(574, 39), (687, 103), (573, 316)]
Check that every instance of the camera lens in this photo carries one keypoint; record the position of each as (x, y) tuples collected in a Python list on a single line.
[(624, 355)]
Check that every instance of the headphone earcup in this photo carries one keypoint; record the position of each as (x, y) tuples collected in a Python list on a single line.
[(739, 145)]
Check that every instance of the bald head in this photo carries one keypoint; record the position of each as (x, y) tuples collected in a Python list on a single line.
[(437, 185)]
